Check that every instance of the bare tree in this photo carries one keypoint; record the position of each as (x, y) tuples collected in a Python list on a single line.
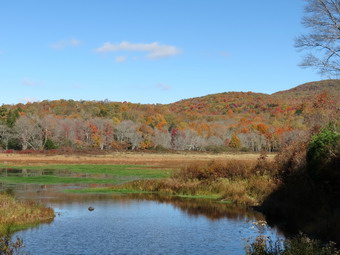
[(189, 140), (30, 133), (126, 131), (162, 138), (5, 135), (323, 20)]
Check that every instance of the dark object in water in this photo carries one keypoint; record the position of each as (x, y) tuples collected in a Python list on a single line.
[(90, 208)]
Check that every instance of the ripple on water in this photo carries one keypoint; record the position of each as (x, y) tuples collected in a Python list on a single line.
[(121, 225)]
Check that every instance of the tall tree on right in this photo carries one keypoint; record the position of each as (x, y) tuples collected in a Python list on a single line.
[(322, 18)]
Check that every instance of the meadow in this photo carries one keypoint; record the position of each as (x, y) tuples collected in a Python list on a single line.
[(223, 177)]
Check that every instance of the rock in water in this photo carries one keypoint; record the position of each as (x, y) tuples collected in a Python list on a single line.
[(90, 208)]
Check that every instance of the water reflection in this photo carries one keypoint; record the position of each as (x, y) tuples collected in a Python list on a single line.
[(54, 195), (135, 224)]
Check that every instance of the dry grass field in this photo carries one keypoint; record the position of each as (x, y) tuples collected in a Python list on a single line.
[(172, 160)]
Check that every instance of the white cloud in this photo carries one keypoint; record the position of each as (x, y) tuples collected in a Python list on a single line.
[(121, 59), (163, 87), (28, 100), (154, 49), (30, 83), (66, 43)]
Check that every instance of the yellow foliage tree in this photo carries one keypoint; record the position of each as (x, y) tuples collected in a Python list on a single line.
[(235, 142)]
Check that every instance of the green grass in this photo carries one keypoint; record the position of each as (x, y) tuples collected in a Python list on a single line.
[(111, 190), (118, 170), (56, 180), (212, 197), (115, 174), (106, 191)]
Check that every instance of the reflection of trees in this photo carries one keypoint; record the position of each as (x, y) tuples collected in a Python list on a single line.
[(203, 207), (193, 207)]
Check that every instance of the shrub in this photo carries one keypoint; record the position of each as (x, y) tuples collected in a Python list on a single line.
[(50, 145), (14, 144), (244, 149), (321, 149), (216, 148), (213, 170)]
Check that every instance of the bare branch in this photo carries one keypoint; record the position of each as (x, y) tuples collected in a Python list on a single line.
[(323, 42)]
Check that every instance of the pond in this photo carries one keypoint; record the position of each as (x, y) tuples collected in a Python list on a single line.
[(137, 224)]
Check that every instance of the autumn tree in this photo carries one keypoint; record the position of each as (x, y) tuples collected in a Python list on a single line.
[(322, 18), (102, 132), (234, 141)]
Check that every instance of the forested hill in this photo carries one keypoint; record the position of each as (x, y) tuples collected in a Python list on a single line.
[(244, 101), (309, 90), (238, 120)]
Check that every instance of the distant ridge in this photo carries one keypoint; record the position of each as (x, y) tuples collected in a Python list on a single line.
[(312, 88), (243, 101)]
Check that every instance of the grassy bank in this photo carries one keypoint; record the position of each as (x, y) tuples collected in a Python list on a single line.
[(241, 181), (15, 214), (238, 181)]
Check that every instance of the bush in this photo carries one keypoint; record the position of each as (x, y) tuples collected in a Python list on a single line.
[(321, 149), (216, 148), (14, 144), (307, 198), (214, 170), (160, 148), (244, 149), (50, 145)]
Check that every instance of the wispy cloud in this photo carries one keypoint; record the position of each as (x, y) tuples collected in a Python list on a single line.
[(163, 87), (31, 83), (121, 59), (66, 43), (155, 50)]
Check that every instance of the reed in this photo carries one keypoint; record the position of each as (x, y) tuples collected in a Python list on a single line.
[(239, 181), (18, 214)]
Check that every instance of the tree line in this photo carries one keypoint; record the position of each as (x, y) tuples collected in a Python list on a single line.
[(51, 132)]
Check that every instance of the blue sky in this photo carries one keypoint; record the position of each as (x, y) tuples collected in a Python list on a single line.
[(147, 51)]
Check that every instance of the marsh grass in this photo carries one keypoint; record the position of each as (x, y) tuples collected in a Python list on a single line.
[(104, 190), (20, 214), (239, 181)]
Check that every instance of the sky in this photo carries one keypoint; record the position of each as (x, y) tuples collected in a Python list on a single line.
[(147, 51)]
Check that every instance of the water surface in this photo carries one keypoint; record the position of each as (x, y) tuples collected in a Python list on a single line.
[(137, 224)]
